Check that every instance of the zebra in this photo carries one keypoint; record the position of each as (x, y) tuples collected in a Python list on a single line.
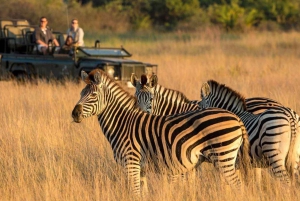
[(257, 105), (269, 132), (180, 142)]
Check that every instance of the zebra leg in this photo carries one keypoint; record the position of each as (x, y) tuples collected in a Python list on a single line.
[(177, 177), (277, 162), (228, 170), (133, 170), (144, 184), (297, 155), (257, 173), (192, 175), (275, 148)]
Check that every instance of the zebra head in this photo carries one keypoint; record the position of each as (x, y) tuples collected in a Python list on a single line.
[(144, 91), (218, 95), (205, 91), (92, 97)]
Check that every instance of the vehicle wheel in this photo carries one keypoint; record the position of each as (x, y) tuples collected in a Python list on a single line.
[(22, 77)]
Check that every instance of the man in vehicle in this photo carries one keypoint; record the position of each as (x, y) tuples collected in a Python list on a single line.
[(42, 36), (76, 32)]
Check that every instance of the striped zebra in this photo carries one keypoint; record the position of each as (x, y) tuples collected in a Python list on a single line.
[(269, 132), (180, 141), (257, 105)]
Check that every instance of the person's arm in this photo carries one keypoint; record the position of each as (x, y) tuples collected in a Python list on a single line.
[(80, 37), (55, 42), (54, 39)]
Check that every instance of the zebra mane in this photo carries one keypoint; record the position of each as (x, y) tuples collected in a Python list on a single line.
[(175, 93), (112, 84), (216, 86)]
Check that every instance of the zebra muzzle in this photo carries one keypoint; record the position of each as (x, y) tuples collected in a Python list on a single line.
[(77, 113)]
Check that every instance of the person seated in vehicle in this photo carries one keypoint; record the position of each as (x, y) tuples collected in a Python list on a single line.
[(68, 46), (76, 32), (42, 36)]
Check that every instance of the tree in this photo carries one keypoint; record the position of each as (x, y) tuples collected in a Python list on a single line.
[(169, 12)]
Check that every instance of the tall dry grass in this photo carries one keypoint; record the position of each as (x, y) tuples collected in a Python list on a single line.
[(44, 156)]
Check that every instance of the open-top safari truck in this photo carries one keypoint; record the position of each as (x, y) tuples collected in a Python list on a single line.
[(19, 57)]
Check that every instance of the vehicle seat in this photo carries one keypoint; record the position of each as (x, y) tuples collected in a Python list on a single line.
[(14, 37), (62, 39), (29, 38), (3, 23), (22, 22)]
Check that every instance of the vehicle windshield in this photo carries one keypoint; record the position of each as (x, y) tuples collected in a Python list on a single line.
[(105, 52)]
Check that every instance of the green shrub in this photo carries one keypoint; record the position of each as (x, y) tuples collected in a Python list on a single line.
[(283, 12), (229, 16), (133, 15), (168, 13)]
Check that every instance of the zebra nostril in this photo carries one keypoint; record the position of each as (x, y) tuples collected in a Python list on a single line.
[(77, 111)]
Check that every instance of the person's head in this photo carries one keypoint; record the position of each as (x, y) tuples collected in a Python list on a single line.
[(74, 23), (43, 22), (69, 41)]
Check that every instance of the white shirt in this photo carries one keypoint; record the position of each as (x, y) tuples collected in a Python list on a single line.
[(77, 35)]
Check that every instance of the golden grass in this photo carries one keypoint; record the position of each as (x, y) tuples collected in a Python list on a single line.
[(44, 156)]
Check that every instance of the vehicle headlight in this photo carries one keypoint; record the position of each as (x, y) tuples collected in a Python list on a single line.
[(110, 71)]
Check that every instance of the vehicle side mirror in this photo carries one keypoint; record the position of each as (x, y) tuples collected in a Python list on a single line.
[(97, 44)]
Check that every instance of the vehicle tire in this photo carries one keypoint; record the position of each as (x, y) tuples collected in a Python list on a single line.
[(22, 77)]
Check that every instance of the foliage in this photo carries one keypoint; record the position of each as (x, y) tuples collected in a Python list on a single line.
[(227, 15), (169, 12), (127, 15), (284, 12), (207, 3), (138, 13)]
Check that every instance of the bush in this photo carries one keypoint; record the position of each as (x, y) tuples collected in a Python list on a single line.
[(168, 13), (283, 12), (127, 15), (229, 16)]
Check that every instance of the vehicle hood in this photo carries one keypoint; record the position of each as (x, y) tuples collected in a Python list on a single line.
[(111, 60)]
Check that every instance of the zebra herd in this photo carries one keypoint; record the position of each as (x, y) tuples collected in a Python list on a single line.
[(177, 134)]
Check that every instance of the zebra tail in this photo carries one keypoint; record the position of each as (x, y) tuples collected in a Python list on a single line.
[(292, 160), (245, 159)]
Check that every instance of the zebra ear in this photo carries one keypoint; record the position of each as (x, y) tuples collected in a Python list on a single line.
[(97, 77), (153, 81), (133, 79), (84, 77), (205, 90)]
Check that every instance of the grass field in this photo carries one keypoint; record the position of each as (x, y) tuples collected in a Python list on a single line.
[(44, 156)]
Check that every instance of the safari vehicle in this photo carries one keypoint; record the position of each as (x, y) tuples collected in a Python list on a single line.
[(20, 59)]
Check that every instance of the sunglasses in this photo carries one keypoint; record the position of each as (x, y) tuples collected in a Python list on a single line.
[(43, 20)]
